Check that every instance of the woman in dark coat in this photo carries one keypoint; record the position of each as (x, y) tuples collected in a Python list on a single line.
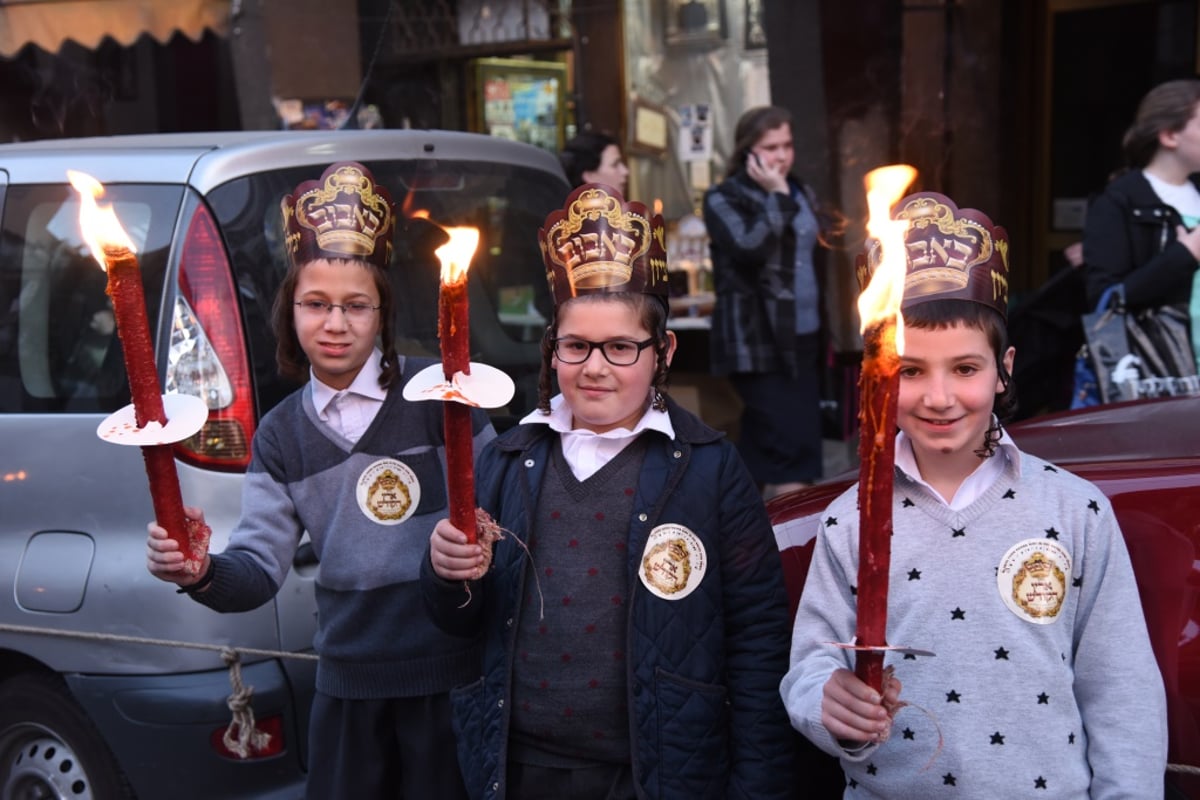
[(766, 326)]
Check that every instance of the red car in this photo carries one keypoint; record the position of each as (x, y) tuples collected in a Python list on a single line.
[(1145, 456)]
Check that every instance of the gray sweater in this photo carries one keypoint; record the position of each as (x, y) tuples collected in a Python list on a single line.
[(368, 508), (1043, 683)]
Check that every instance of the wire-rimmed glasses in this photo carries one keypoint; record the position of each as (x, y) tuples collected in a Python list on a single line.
[(357, 312)]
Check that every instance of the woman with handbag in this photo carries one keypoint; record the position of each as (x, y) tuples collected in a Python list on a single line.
[(1143, 230)]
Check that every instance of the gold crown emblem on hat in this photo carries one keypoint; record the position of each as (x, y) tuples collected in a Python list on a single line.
[(345, 213), (597, 241), (941, 261), (952, 253)]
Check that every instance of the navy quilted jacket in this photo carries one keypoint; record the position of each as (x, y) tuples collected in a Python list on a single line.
[(703, 671)]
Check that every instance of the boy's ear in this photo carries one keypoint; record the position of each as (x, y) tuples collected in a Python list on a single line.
[(1009, 358), (672, 343)]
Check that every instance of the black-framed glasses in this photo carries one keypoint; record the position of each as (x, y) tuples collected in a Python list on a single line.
[(319, 308), (618, 352)]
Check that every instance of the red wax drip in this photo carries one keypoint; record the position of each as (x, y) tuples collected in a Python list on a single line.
[(879, 387), (454, 333), (133, 328)]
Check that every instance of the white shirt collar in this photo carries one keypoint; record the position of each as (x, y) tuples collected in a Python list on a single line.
[(365, 384), (978, 482), (560, 417), (587, 451)]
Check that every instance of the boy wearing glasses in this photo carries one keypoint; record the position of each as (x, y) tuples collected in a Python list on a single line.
[(634, 612), (362, 470)]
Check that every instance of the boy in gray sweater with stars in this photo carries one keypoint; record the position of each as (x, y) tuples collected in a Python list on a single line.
[(1012, 570)]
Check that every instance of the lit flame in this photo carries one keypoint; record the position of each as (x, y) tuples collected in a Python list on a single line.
[(881, 299), (456, 254), (98, 224), (658, 205)]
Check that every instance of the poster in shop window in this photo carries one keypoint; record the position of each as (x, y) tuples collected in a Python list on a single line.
[(520, 100)]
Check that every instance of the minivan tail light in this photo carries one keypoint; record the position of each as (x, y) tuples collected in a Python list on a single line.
[(272, 726), (207, 355)]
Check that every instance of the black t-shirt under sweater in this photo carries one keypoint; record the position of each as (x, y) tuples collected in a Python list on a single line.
[(569, 685)]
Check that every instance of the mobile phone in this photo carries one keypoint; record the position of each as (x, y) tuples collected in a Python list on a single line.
[(757, 160)]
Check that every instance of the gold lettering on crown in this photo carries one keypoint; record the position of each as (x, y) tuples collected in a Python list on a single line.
[(999, 287), (657, 273)]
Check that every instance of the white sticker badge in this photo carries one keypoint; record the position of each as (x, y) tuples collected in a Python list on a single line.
[(673, 563), (388, 492), (1033, 579)]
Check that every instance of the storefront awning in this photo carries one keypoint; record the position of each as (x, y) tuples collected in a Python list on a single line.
[(48, 23)]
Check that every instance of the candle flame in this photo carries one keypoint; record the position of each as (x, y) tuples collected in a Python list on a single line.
[(658, 205), (98, 223), (456, 254), (881, 299)]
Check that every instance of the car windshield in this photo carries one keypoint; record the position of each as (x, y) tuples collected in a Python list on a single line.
[(509, 298)]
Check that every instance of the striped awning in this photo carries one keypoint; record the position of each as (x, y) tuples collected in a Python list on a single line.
[(48, 23)]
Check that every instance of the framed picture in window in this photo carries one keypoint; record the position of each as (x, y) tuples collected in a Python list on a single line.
[(519, 99), (756, 25), (694, 23)]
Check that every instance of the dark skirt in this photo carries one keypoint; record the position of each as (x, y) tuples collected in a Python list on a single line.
[(780, 438)]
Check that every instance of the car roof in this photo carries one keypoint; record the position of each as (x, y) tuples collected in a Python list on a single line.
[(207, 160)]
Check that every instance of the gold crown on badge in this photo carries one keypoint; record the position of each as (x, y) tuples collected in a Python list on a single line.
[(599, 242), (952, 253), (345, 214)]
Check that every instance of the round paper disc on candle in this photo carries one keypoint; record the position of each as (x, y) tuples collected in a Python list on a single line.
[(186, 415), (883, 648), (485, 387)]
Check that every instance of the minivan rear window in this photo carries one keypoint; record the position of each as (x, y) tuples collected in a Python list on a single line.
[(508, 293), (59, 350)]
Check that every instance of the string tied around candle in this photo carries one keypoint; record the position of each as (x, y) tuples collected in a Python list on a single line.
[(489, 532)]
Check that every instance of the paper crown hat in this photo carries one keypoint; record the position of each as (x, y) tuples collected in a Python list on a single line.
[(598, 242), (952, 253), (345, 214)]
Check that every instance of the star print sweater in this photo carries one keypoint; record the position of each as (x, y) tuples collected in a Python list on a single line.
[(1043, 683), (373, 637)]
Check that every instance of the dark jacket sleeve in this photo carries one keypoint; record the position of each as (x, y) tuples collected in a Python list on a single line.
[(1124, 244), (756, 610)]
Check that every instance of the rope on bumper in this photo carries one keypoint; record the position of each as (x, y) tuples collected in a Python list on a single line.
[(242, 737)]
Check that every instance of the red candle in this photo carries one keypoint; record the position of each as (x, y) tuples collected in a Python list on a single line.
[(115, 253), (455, 338), (879, 388)]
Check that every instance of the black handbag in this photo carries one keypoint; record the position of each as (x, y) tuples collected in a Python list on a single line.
[(1130, 356)]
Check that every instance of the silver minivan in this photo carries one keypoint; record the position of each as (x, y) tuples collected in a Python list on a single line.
[(111, 684)]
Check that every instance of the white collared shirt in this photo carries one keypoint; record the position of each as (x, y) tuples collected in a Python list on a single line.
[(978, 482), (586, 451), (351, 411)]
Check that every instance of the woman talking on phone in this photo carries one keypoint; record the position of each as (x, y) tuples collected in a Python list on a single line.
[(766, 326)]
